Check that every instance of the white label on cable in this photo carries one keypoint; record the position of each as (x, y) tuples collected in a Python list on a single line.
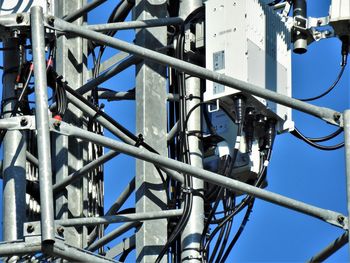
[(238, 142), (223, 149)]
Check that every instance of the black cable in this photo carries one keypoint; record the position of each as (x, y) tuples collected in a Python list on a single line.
[(324, 138), (239, 232), (126, 253), (244, 202), (182, 222), (228, 169), (296, 133), (183, 156), (228, 231), (117, 15), (274, 2), (340, 74)]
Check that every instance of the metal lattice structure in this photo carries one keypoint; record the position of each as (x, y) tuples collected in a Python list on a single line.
[(54, 147)]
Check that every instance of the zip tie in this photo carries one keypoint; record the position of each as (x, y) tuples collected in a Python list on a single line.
[(238, 142), (266, 163)]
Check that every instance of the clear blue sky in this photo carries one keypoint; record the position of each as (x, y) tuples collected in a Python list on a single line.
[(273, 234)]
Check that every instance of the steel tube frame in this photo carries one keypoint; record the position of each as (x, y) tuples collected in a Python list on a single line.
[(326, 114), (73, 254), (14, 148), (346, 121), (91, 112), (108, 63), (173, 131), (122, 198), (320, 213), (191, 235), (108, 74), (31, 158), (331, 248), (120, 218), (82, 171), (19, 248), (42, 124), (83, 11), (136, 24), (112, 235), (126, 244)]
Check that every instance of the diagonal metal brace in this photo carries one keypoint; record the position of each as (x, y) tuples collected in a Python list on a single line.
[(332, 217)]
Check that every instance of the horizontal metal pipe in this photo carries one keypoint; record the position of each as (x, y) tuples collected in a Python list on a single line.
[(87, 168), (83, 11), (136, 24), (331, 249), (323, 214), (112, 235), (326, 114), (108, 74), (119, 218), (19, 248)]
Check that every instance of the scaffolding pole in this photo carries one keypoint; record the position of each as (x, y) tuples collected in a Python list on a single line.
[(191, 235), (346, 116), (14, 152), (42, 125)]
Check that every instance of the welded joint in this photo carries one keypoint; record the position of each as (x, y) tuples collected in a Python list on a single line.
[(18, 123)]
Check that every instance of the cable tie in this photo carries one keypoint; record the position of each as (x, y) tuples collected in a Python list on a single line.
[(266, 163), (238, 142), (187, 190), (140, 140), (194, 133)]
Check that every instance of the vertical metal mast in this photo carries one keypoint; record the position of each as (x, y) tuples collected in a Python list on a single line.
[(70, 153), (14, 163), (346, 118), (42, 124), (192, 233), (151, 123)]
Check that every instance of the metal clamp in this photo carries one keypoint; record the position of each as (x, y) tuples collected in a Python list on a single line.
[(18, 123)]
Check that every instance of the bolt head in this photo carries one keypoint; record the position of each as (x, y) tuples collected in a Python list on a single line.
[(30, 229), (24, 122), (19, 18)]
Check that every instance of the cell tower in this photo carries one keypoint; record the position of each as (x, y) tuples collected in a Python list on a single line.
[(212, 90)]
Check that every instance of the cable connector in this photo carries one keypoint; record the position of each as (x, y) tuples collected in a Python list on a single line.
[(239, 108), (344, 50)]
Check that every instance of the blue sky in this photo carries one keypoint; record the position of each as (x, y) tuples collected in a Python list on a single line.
[(273, 234)]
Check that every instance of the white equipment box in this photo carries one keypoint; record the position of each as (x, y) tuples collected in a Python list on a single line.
[(247, 40), (23, 6)]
